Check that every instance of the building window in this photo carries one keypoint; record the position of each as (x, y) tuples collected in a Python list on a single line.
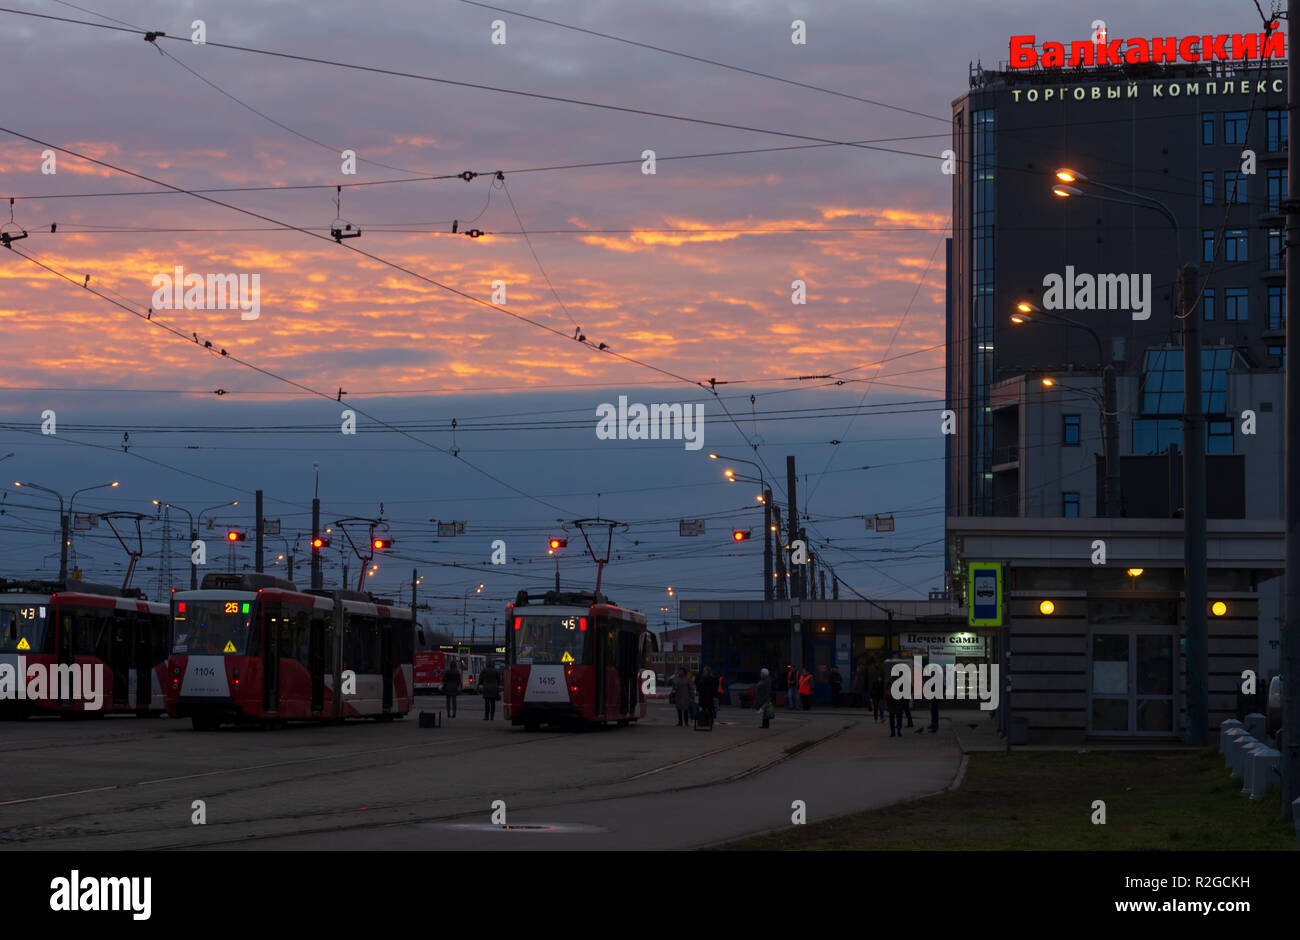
[(1207, 128), (1234, 127), (1279, 352), (1235, 303), (1276, 245), (1276, 189), (1207, 188), (1207, 244), (1207, 303), (1070, 430), (1235, 245), (1218, 438), (1277, 308), (1276, 123), (1070, 505), (983, 204), (1235, 189), (1162, 382)]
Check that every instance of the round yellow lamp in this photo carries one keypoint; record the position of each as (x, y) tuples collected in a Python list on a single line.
[(1219, 608), (1046, 608), (1135, 572)]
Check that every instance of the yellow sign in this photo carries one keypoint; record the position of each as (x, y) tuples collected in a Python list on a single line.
[(230, 647), (566, 658), (23, 644)]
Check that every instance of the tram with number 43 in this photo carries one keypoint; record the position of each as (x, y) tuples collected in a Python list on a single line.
[(71, 648), (574, 658), (254, 649)]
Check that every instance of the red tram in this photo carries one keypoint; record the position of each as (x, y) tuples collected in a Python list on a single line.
[(255, 649), (574, 658), (79, 647)]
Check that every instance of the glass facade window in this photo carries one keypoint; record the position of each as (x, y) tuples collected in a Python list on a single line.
[(1207, 303), (1235, 187), (1275, 121), (1070, 505), (1236, 303), (1277, 308), (1207, 128), (1152, 436), (1276, 245), (1207, 188), (1070, 430), (1277, 182), (1235, 245), (1234, 127), (1279, 352), (983, 202), (1162, 381), (1218, 437)]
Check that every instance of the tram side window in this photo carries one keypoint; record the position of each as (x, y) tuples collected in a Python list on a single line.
[(361, 644), (91, 632), (158, 639), (302, 635), (403, 640)]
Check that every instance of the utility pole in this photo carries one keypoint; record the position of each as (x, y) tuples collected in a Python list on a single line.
[(1290, 747), (767, 545), (415, 578), (1196, 577), (796, 575), (782, 587), (258, 563), (315, 552)]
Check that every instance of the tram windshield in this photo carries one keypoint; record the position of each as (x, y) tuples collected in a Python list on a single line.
[(22, 627), (212, 626), (553, 639)]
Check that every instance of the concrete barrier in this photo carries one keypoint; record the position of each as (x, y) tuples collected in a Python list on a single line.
[(1231, 737), (1237, 754), (1257, 725), (1224, 729), (1261, 770)]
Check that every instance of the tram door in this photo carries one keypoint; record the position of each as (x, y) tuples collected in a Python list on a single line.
[(145, 625), (271, 628), (600, 644), (628, 675), (120, 653), (316, 662), (386, 660)]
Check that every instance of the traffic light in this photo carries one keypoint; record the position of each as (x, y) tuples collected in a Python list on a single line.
[(233, 536), (559, 543), (320, 542), (380, 544), (739, 535)]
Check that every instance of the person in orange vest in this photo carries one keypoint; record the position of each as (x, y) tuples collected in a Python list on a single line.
[(805, 689)]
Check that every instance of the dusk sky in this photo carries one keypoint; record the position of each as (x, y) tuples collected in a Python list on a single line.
[(687, 273)]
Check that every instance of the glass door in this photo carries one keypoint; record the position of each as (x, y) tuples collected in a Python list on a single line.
[(1131, 684)]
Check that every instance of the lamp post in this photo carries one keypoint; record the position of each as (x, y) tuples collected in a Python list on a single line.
[(64, 519), (1195, 574), (1110, 503), (464, 610), (767, 521), (233, 502), (194, 534)]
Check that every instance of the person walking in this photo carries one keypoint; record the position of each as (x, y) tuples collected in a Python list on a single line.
[(837, 685), (858, 686), (706, 688), (895, 715), (806, 689), (763, 697), (451, 686), (681, 695), (791, 688), (489, 686), (878, 697)]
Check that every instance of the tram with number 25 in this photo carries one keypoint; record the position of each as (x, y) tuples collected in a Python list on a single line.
[(574, 658), (254, 649)]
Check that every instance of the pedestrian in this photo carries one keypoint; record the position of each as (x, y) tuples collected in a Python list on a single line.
[(489, 686), (806, 689), (858, 686), (907, 709), (934, 715), (682, 694), (451, 686), (763, 697), (895, 715), (706, 687), (878, 697), (791, 688), (837, 684)]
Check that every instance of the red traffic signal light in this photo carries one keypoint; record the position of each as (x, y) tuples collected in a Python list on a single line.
[(320, 543), (559, 543), (234, 536), (739, 535), (381, 544)]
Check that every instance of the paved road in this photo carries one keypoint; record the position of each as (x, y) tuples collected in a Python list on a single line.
[(116, 783)]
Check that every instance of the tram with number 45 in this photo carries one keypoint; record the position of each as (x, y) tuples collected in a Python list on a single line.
[(75, 647), (574, 658), (254, 649)]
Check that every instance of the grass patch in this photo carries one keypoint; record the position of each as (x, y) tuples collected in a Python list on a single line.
[(1043, 801)]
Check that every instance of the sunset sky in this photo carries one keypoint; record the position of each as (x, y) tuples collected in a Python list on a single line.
[(687, 273)]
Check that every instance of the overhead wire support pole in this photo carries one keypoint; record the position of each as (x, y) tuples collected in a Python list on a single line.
[(1290, 746)]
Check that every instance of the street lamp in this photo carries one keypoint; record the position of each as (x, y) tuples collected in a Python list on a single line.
[(64, 518), (194, 534), (766, 500), (1195, 573), (464, 610)]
